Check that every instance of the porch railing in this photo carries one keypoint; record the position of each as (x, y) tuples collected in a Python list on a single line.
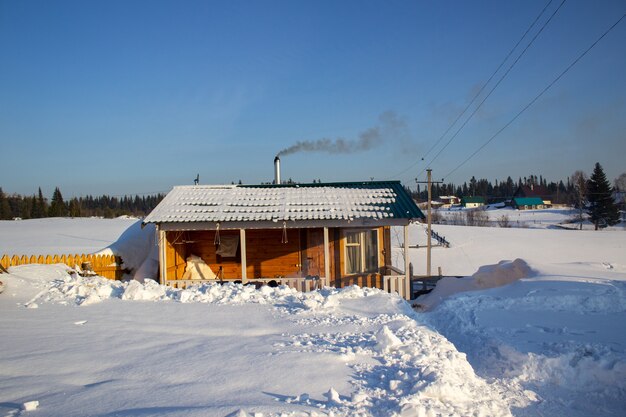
[(390, 283), (397, 283), (304, 284)]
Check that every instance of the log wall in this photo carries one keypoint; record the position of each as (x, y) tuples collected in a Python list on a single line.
[(269, 257)]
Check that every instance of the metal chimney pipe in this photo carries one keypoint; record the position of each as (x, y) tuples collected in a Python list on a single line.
[(277, 170)]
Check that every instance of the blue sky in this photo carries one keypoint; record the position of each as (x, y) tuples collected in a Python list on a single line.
[(127, 97)]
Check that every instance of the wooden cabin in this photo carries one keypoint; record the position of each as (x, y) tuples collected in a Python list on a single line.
[(302, 235)]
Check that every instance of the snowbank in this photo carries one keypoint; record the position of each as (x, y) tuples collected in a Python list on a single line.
[(563, 338), (488, 276), (57, 236), (357, 351), (139, 250)]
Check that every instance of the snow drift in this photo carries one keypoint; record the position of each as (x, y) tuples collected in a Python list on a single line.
[(374, 356), (488, 276)]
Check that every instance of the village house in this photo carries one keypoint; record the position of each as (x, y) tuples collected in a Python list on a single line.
[(528, 203), (302, 235), (449, 201), (472, 202), (534, 191)]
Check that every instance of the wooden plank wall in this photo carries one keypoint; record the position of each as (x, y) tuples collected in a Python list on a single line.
[(108, 266), (175, 251), (267, 256)]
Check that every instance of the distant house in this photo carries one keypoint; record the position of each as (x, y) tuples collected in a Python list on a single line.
[(449, 200), (528, 203), (472, 202), (532, 190), (337, 234)]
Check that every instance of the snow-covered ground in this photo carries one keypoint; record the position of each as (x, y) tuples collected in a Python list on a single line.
[(538, 328), (60, 235), (535, 219)]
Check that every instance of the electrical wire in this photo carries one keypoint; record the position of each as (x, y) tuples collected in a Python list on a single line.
[(479, 91), (497, 84), (538, 95)]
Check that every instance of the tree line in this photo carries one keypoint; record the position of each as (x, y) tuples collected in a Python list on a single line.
[(559, 192), (38, 206), (593, 196)]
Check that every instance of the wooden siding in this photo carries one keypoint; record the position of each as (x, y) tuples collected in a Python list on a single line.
[(107, 266), (267, 256), (176, 254)]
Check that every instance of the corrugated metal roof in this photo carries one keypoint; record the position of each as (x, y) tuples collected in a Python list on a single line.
[(321, 201), (528, 201), (470, 199)]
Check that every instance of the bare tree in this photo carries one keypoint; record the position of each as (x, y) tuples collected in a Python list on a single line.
[(620, 182), (476, 217), (504, 221), (579, 181)]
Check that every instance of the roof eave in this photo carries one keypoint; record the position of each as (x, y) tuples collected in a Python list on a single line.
[(289, 224)]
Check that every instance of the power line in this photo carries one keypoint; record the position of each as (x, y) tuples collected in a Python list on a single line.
[(479, 91), (490, 78), (538, 95), (497, 83)]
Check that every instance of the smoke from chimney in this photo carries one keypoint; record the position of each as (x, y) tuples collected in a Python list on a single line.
[(370, 138)]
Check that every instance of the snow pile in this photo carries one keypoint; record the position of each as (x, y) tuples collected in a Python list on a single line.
[(488, 276), (139, 251), (58, 236), (561, 337), (393, 364), (409, 371), (66, 287)]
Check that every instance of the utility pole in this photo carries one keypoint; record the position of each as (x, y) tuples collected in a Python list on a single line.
[(429, 171), (429, 216)]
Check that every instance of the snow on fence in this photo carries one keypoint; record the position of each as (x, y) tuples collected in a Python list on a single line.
[(108, 266), (300, 284), (399, 284)]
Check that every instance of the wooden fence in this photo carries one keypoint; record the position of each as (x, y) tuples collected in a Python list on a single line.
[(108, 266)]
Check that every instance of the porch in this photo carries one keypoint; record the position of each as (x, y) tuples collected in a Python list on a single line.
[(306, 259)]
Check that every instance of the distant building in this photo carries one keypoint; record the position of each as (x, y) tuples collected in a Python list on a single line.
[(528, 203), (532, 190), (472, 202), (449, 200)]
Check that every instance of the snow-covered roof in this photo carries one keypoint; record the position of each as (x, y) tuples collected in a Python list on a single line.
[(294, 202)]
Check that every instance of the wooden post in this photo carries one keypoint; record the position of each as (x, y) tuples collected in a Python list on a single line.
[(326, 257), (429, 171), (407, 273), (244, 264), (162, 256)]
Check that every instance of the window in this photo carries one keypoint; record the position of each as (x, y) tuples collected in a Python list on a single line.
[(361, 251)]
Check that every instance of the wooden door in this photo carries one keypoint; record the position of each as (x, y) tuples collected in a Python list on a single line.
[(313, 252)]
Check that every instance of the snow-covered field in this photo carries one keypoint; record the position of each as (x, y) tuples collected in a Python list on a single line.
[(60, 235), (535, 219), (538, 328)]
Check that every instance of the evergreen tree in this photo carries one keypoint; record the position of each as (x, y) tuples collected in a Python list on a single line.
[(40, 208), (74, 207), (26, 207), (57, 206), (601, 208), (5, 208)]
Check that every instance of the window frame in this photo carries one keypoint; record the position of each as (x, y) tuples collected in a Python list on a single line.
[(363, 237)]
